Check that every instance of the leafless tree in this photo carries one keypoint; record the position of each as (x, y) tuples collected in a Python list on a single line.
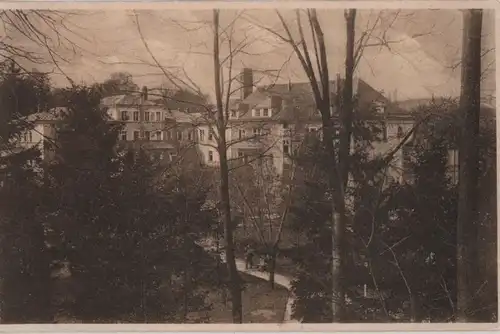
[(226, 52), (341, 100), (468, 155), (265, 201)]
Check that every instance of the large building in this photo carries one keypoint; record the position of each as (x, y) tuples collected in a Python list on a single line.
[(273, 121), (150, 124), (263, 121)]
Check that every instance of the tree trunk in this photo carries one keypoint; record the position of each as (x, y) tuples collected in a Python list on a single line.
[(272, 268), (234, 278), (468, 158), (346, 109)]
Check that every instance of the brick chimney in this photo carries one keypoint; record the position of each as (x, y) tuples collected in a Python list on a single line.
[(144, 93), (246, 80)]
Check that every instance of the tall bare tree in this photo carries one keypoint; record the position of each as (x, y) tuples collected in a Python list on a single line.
[(318, 76), (265, 199), (468, 157), (235, 285), (225, 53)]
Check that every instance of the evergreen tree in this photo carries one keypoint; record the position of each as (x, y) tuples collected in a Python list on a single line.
[(128, 234), (25, 274)]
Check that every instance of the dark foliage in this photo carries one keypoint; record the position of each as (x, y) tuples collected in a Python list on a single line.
[(24, 261), (128, 234)]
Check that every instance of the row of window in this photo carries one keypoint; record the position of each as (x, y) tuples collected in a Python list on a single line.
[(149, 116), (161, 156), (262, 112), (156, 135), (27, 137)]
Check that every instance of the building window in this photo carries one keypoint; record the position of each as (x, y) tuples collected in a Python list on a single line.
[(384, 132), (158, 135), (136, 116), (123, 135), (265, 112), (257, 112), (257, 131), (158, 116), (241, 134), (147, 135), (179, 135), (202, 135), (233, 113), (210, 135), (240, 154), (170, 134), (400, 132), (27, 137), (136, 135), (190, 135), (172, 156), (286, 147), (285, 125), (210, 156), (124, 115), (146, 116)]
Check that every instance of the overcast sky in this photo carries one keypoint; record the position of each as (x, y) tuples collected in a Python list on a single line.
[(418, 65)]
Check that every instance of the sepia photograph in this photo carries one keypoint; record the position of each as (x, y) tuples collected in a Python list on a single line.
[(234, 165)]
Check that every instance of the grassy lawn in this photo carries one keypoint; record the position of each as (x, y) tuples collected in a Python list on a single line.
[(261, 304)]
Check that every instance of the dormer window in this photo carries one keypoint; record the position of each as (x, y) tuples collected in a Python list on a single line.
[(265, 112), (380, 108), (257, 112)]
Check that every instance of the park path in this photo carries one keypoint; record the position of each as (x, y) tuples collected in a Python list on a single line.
[(282, 280)]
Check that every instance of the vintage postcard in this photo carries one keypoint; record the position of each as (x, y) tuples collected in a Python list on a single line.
[(281, 165)]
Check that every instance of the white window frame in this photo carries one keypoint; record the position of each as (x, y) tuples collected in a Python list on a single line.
[(124, 115), (172, 156), (286, 143), (210, 156), (123, 135), (136, 116)]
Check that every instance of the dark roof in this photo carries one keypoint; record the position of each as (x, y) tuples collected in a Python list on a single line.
[(54, 114), (127, 100), (297, 100)]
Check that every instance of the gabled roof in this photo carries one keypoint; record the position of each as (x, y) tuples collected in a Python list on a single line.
[(127, 100), (54, 114)]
